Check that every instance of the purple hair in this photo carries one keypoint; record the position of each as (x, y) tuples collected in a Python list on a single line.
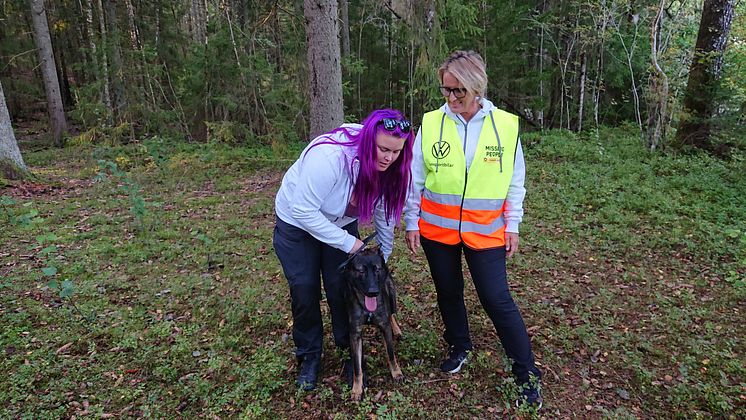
[(371, 184)]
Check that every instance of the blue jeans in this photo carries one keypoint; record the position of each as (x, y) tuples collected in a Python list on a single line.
[(305, 261), (490, 279)]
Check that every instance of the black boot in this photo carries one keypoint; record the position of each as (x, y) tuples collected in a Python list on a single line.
[(309, 372)]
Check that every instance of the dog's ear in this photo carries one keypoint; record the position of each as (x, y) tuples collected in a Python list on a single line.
[(380, 252)]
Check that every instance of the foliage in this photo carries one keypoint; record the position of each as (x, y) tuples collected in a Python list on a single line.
[(13, 216), (138, 205), (245, 83)]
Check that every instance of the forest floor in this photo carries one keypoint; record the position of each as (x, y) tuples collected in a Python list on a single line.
[(140, 280)]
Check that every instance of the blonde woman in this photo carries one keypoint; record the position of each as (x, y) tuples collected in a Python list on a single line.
[(468, 173)]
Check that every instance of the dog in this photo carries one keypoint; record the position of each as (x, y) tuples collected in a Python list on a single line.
[(371, 299)]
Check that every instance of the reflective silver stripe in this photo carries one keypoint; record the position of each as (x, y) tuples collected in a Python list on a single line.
[(466, 227), (439, 221), (489, 204), (449, 199), (483, 204)]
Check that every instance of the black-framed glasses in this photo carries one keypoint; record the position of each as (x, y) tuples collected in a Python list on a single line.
[(457, 92), (390, 124)]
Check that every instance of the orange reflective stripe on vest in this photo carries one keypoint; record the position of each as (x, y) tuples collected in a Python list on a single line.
[(477, 220)]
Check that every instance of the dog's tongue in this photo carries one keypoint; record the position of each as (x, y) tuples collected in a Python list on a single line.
[(371, 303)]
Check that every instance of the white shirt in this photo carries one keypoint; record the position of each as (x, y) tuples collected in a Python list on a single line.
[(469, 132), (315, 192)]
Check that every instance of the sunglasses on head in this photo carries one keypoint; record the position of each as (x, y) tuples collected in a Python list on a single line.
[(390, 124), (457, 92)]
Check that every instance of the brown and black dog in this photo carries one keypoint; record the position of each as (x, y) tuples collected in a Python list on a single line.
[(371, 299)]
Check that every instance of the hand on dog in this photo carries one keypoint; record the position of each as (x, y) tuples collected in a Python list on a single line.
[(511, 243), (413, 240), (358, 244)]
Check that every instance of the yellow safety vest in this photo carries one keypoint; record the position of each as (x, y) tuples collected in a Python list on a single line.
[(460, 206)]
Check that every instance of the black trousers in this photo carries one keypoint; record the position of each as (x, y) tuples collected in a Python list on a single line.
[(305, 260), (490, 279)]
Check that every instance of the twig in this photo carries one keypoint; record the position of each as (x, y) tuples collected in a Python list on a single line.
[(431, 381), (16, 56), (388, 6)]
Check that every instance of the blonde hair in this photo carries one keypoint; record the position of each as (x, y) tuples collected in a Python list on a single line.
[(468, 68)]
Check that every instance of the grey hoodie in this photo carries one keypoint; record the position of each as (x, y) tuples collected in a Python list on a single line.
[(315, 192)]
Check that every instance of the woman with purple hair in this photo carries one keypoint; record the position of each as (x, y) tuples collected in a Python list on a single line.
[(354, 172)]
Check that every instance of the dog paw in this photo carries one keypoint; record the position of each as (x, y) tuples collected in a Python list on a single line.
[(356, 396), (398, 378)]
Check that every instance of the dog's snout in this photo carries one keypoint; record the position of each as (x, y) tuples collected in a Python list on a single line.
[(372, 291)]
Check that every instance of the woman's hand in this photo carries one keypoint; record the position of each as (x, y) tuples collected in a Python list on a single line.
[(511, 243), (358, 244), (413, 240)]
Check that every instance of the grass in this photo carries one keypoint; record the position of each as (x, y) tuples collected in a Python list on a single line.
[(631, 279)]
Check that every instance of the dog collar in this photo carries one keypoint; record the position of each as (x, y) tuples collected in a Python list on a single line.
[(354, 254)]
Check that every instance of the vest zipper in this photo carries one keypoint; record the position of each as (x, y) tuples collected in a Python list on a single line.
[(466, 179), (440, 140)]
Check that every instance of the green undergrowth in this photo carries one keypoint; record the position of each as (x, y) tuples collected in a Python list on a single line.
[(143, 282)]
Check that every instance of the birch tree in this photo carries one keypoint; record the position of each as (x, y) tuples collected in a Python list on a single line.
[(581, 88), (325, 69), (658, 105), (49, 71), (11, 161), (629, 52), (106, 92)]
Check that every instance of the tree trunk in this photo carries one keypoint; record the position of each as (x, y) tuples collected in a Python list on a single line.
[(704, 75), (598, 84), (278, 41), (62, 70), (344, 16), (49, 72), (106, 93), (198, 19), (119, 100), (325, 71), (581, 94), (142, 64), (658, 109), (540, 113), (88, 35), (629, 53), (11, 161)]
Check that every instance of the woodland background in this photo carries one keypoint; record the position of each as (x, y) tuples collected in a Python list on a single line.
[(142, 143), (237, 71)]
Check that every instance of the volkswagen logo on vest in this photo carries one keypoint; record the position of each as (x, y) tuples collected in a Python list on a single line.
[(441, 149)]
